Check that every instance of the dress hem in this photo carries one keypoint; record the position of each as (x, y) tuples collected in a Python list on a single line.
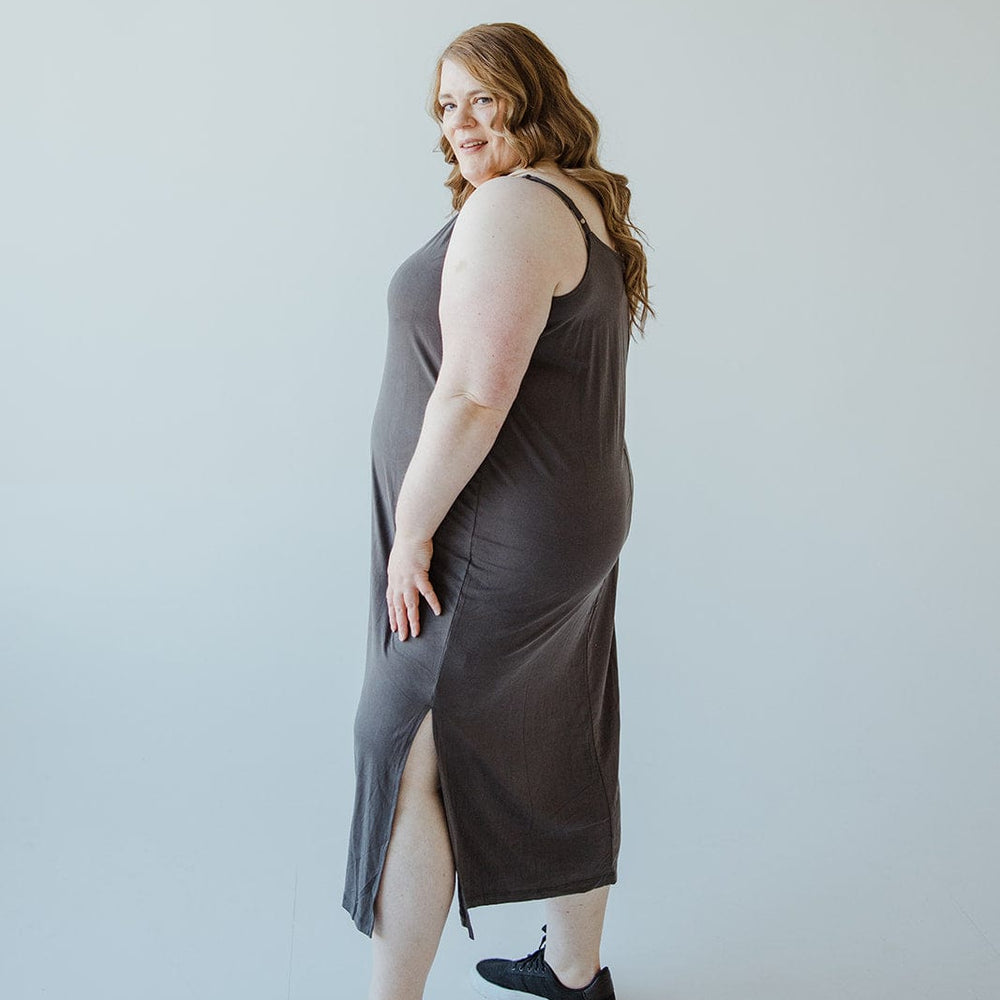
[(495, 899), (548, 892)]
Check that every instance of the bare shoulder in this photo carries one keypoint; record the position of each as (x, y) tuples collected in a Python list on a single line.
[(507, 211)]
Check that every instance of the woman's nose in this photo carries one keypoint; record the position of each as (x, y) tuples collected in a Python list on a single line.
[(463, 115)]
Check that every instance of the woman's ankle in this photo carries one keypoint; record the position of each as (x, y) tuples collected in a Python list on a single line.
[(573, 976)]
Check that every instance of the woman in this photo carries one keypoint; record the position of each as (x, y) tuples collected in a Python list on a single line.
[(486, 738)]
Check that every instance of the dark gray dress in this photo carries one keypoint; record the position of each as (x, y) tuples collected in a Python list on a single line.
[(520, 668)]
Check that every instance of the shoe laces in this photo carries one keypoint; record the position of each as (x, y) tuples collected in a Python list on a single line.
[(535, 962)]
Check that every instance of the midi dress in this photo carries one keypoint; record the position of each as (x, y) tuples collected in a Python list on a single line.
[(520, 668)]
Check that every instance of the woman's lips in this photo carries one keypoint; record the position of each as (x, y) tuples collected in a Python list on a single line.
[(474, 144)]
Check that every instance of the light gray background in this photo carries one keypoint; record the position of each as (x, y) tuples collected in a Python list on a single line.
[(202, 205)]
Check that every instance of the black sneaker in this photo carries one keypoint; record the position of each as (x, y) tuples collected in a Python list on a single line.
[(532, 976)]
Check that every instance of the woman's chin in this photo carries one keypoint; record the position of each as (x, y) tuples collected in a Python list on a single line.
[(479, 177)]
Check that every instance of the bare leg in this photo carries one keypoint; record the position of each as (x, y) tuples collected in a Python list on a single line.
[(418, 880), (573, 935)]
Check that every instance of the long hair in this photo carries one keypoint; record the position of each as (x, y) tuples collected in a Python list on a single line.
[(541, 118)]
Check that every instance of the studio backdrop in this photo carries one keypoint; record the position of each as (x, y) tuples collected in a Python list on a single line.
[(202, 206)]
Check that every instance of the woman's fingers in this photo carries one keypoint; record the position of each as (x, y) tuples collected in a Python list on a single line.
[(408, 579), (429, 596), (398, 616), (397, 612), (412, 602), (404, 608), (404, 614)]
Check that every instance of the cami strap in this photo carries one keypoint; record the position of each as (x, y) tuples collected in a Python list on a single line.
[(565, 197)]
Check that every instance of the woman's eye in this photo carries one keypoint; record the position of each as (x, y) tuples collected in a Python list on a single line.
[(449, 105)]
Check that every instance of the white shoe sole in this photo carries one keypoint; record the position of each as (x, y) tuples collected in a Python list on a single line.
[(493, 992)]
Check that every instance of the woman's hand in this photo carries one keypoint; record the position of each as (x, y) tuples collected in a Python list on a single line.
[(409, 564)]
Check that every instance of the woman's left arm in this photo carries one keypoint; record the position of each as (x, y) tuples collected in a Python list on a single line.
[(496, 292)]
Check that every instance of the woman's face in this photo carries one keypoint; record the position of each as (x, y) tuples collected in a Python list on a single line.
[(467, 114)]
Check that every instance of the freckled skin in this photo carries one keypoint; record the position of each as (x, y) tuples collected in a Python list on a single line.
[(468, 111)]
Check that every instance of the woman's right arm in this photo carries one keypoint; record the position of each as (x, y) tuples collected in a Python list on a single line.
[(496, 293)]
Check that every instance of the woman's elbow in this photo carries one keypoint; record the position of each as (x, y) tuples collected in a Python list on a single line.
[(495, 398)]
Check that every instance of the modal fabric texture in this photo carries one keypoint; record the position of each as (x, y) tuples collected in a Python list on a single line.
[(520, 668)]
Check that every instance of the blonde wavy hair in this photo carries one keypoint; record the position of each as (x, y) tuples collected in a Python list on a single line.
[(541, 118)]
